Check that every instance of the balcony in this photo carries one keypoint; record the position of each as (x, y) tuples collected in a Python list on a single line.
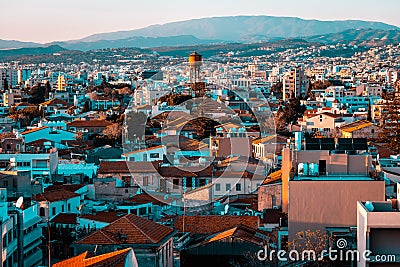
[(32, 236), (33, 259)]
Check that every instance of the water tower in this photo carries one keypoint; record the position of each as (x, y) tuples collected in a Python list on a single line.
[(195, 62)]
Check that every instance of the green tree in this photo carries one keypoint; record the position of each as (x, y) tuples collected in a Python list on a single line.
[(293, 110), (390, 120), (37, 94), (315, 241), (47, 90)]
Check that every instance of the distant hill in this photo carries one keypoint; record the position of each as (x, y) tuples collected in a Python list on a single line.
[(31, 51), (359, 36), (237, 29), (240, 27), (11, 44), (137, 41)]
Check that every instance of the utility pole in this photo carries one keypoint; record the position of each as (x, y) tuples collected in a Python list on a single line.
[(48, 234)]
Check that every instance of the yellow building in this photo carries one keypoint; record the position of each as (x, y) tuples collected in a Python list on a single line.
[(61, 83)]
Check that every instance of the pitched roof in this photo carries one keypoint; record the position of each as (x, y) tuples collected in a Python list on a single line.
[(115, 259), (55, 195), (242, 232), (68, 187), (144, 198), (143, 150), (34, 130), (89, 123), (126, 167), (273, 177), (114, 167), (129, 229), (55, 102), (209, 224), (264, 139), (354, 126), (65, 218), (175, 172), (103, 216)]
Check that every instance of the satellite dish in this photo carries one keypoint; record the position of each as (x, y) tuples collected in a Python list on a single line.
[(20, 201)]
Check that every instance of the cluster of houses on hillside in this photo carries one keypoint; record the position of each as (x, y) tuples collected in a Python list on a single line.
[(90, 178)]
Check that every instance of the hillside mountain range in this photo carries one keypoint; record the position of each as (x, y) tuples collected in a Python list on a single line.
[(238, 29)]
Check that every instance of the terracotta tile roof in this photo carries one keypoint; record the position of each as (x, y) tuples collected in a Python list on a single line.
[(210, 224), (354, 126), (273, 177), (242, 174), (39, 142), (104, 216), (175, 172), (89, 123), (112, 259), (68, 187), (65, 218), (129, 229), (241, 232), (54, 195), (34, 130), (145, 198), (126, 167), (55, 102), (142, 150), (113, 167)]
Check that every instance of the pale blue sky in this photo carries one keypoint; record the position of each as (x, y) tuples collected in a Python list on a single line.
[(49, 20)]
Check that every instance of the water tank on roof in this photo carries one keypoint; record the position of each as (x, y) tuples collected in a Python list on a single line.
[(369, 206), (302, 169), (313, 169)]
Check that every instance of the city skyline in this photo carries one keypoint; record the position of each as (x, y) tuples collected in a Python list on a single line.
[(55, 21)]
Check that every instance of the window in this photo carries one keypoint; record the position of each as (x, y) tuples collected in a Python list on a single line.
[(228, 187), (69, 206), (145, 180), (238, 187), (4, 241), (9, 237), (41, 164), (62, 208), (217, 187), (54, 211), (5, 183), (154, 155), (42, 212), (176, 183), (145, 157), (142, 211)]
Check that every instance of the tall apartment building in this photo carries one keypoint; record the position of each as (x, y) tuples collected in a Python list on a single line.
[(9, 74), (21, 234), (24, 75), (295, 83)]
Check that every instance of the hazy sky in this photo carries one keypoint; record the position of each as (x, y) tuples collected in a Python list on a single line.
[(50, 20)]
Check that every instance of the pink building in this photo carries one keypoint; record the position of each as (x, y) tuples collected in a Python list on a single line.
[(323, 179)]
